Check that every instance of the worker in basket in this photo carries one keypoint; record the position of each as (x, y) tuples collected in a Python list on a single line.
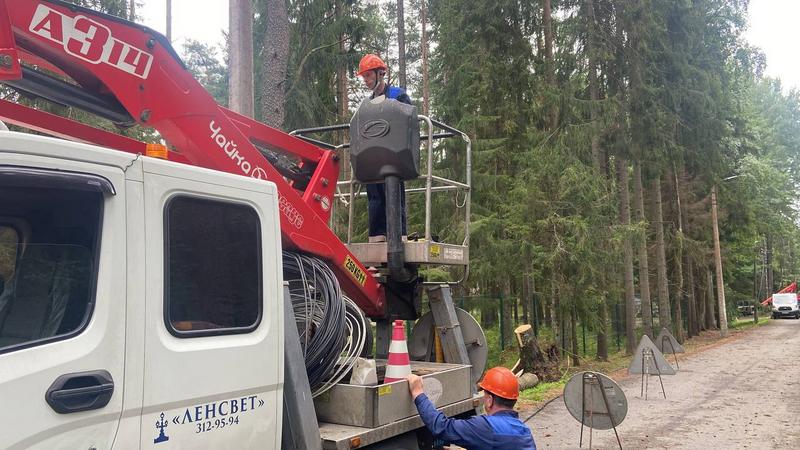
[(500, 428), (373, 70)]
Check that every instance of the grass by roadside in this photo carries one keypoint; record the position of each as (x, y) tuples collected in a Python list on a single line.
[(616, 366)]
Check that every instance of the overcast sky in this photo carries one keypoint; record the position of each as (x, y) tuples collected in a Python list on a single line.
[(774, 27), (191, 19)]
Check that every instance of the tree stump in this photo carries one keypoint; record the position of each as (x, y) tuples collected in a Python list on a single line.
[(535, 360), (528, 380)]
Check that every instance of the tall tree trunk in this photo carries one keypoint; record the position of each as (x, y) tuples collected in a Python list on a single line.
[(574, 335), (555, 315), (548, 308), (525, 300), (275, 61), (644, 269), (241, 97), (634, 56), (694, 329), (169, 20), (722, 314), (401, 42), (770, 271), (426, 86), (507, 312), (602, 331), (132, 10), (341, 78), (547, 22), (679, 294), (627, 252), (515, 305), (488, 314), (598, 158), (710, 322), (664, 318), (700, 296), (598, 155), (530, 283)]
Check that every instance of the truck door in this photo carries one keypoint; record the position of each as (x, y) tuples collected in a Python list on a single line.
[(213, 337), (62, 302)]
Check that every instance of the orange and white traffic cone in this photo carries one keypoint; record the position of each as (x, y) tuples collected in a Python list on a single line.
[(398, 366)]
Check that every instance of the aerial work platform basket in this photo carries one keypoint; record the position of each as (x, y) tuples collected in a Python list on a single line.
[(427, 248)]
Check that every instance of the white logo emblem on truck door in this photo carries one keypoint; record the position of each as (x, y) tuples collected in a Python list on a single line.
[(90, 41)]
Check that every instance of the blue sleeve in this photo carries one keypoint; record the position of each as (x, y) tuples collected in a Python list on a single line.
[(398, 94), (474, 432), (404, 98)]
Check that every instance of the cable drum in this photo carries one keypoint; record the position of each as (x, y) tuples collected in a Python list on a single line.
[(332, 328)]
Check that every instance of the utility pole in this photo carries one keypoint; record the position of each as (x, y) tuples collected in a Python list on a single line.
[(723, 317)]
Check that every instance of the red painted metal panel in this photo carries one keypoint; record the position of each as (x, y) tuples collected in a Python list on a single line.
[(9, 59), (58, 126)]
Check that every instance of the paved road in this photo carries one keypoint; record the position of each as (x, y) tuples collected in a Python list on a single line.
[(741, 394)]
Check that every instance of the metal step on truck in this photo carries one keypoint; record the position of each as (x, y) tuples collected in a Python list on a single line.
[(191, 293)]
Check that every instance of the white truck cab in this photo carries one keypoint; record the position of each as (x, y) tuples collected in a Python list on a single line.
[(131, 289), (785, 305)]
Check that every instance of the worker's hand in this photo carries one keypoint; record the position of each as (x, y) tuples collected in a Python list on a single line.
[(415, 385)]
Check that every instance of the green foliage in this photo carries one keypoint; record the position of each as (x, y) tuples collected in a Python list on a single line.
[(201, 60), (117, 8)]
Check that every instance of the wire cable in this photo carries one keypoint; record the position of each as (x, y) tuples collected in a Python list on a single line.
[(332, 328), (356, 339)]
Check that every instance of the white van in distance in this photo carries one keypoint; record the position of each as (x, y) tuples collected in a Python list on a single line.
[(785, 305)]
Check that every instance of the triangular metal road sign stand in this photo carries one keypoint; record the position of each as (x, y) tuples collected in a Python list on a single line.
[(647, 359), (666, 338)]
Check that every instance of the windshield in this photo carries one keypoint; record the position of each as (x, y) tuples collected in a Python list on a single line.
[(784, 300)]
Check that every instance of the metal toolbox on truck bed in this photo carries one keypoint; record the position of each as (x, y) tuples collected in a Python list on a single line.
[(375, 406)]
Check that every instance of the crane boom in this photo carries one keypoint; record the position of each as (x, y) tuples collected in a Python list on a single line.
[(130, 74)]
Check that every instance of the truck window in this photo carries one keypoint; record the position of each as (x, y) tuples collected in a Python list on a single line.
[(46, 283), (213, 267)]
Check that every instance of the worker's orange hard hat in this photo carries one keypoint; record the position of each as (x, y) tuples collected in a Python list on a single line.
[(501, 382), (370, 62)]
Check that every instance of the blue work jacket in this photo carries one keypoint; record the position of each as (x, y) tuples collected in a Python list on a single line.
[(396, 93), (501, 431)]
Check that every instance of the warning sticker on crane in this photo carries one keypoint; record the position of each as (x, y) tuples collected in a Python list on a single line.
[(354, 270)]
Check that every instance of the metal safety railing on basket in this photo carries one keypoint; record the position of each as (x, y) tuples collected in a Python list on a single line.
[(433, 183)]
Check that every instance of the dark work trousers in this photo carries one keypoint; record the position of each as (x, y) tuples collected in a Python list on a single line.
[(376, 197)]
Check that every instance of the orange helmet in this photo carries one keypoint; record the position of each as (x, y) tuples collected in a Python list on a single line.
[(370, 62), (501, 382)]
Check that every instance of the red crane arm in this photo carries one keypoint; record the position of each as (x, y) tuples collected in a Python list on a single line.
[(136, 68)]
